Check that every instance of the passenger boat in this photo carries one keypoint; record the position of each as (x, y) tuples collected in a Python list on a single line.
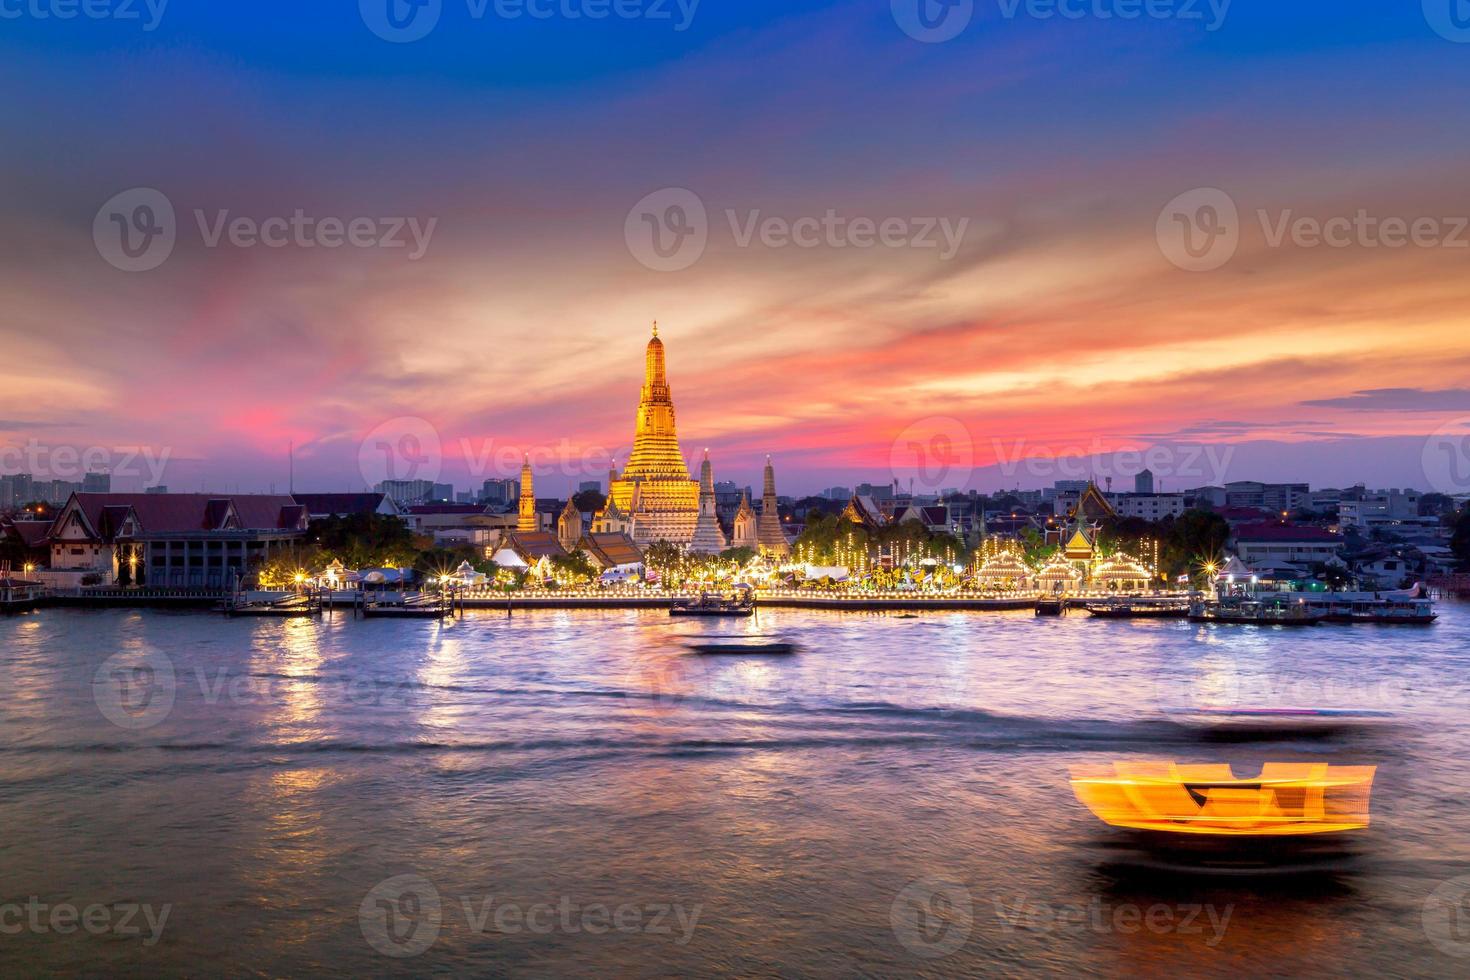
[(1138, 609), (1255, 611), (1285, 800), (18, 595), (713, 604), (1383, 612)]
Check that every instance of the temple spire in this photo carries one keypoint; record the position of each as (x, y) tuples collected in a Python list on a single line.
[(527, 519)]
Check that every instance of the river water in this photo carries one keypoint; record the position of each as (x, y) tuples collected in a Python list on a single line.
[(575, 791)]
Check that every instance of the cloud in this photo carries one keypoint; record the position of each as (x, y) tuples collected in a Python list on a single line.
[(1399, 400)]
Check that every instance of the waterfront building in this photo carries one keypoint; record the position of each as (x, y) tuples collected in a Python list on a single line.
[(769, 534), (529, 519), (1298, 545), (612, 553), (744, 533), (708, 538), (655, 489), (180, 540)]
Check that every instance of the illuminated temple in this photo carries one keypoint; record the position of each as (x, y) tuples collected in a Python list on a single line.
[(655, 491)]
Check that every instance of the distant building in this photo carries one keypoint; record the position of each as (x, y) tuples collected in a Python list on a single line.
[(97, 483), (320, 506), (590, 486), (500, 493), (1148, 506), (181, 540), (1380, 508), (161, 488), (408, 492), (1284, 542), (1143, 482), (836, 493), (1273, 497)]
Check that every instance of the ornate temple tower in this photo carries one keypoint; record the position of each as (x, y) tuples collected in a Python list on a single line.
[(708, 539), (772, 539), (655, 490), (569, 527), (528, 521), (744, 533)]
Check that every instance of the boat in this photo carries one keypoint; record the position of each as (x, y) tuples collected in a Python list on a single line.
[(1285, 800), (773, 649), (1254, 611), (18, 595), (1138, 609), (296, 604), (406, 606), (1223, 721), (1051, 607), (1376, 611), (713, 604)]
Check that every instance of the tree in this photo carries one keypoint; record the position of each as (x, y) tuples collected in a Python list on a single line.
[(1460, 540), (589, 501), (738, 556), (577, 566), (1197, 537), (368, 540)]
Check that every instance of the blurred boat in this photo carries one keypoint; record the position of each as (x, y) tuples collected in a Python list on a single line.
[(779, 648), (1282, 721), (1287, 799), (1403, 611)]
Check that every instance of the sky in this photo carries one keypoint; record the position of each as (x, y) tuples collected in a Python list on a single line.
[(980, 243)]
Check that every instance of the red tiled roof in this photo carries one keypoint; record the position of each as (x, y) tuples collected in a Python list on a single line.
[(181, 512), (1283, 532), (32, 533)]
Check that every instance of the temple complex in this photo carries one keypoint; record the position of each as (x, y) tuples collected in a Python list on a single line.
[(770, 536), (709, 537), (655, 491)]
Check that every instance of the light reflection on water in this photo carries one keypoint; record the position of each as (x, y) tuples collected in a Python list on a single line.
[(589, 756)]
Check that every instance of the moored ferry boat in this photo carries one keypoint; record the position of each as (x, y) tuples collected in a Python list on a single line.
[(1255, 611)]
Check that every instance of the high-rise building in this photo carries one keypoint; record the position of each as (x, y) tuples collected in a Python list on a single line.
[(655, 489), (1143, 482), (500, 493), (772, 539), (97, 483), (708, 538)]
